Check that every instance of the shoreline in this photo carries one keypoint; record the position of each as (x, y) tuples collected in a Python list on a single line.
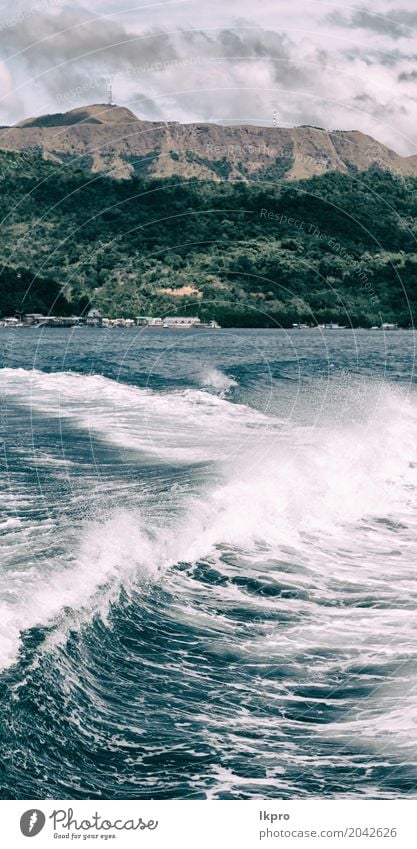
[(206, 329)]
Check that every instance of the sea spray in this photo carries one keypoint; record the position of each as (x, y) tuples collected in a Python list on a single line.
[(204, 600)]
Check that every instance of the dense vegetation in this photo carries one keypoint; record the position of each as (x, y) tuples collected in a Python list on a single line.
[(338, 247)]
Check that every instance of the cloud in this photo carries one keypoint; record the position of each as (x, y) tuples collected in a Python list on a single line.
[(9, 100), (407, 77), (378, 57), (187, 62), (71, 53), (46, 41), (250, 42), (400, 23)]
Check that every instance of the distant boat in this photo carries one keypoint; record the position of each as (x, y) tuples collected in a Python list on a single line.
[(332, 325), (11, 322), (386, 325), (208, 325)]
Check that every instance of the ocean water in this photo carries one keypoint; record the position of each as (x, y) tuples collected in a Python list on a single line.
[(208, 548)]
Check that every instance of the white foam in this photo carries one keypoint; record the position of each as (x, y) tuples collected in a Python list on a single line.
[(323, 493), (218, 380), (106, 554), (182, 426), (317, 484)]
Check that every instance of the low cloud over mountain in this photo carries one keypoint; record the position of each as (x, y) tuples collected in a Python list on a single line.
[(285, 64)]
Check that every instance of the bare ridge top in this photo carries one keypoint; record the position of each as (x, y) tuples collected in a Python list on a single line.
[(111, 139), (97, 113)]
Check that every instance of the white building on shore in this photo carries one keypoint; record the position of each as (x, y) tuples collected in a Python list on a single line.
[(148, 321), (94, 318), (181, 321)]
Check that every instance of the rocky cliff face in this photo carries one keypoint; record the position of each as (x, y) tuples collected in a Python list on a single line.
[(112, 139)]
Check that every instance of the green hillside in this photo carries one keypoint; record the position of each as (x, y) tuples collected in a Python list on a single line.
[(337, 247)]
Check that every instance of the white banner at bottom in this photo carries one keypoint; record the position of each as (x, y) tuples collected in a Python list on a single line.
[(190, 824)]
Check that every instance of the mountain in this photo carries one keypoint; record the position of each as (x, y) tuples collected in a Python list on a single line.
[(111, 139), (334, 247), (96, 114)]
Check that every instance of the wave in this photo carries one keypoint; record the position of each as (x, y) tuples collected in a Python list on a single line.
[(85, 578), (327, 500), (216, 379), (187, 425)]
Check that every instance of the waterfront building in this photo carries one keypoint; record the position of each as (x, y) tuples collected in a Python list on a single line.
[(94, 318), (181, 321), (148, 321)]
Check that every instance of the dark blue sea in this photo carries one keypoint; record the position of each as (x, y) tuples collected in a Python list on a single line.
[(208, 547)]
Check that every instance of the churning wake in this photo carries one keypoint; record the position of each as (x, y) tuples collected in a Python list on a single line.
[(254, 572)]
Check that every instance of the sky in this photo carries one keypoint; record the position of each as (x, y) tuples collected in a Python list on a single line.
[(267, 62)]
